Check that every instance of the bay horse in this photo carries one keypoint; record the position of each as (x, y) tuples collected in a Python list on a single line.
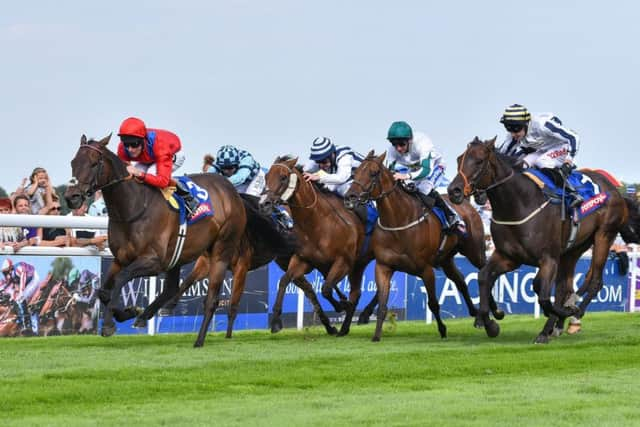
[(9, 326), (527, 229), (331, 238), (143, 232), (409, 238), (263, 242)]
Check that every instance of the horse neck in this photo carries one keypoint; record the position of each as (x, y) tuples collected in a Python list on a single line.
[(517, 188), (397, 207), (308, 203), (125, 199)]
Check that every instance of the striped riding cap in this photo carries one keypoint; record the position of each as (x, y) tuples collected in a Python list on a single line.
[(321, 148), (516, 114)]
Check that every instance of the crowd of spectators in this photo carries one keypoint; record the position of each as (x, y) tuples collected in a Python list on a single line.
[(37, 195)]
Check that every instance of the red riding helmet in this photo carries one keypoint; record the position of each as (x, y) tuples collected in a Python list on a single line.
[(133, 126)]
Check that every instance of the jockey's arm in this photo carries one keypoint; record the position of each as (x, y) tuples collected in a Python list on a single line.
[(242, 175), (554, 129), (342, 175), (164, 166), (423, 171)]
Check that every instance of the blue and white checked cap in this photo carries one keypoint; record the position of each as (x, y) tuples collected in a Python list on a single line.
[(227, 156), (321, 148)]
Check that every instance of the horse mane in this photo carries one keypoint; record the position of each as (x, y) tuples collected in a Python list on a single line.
[(510, 161), (119, 166)]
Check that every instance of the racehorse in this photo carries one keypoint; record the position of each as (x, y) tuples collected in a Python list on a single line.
[(331, 238), (409, 238), (9, 326), (527, 229), (143, 232), (265, 243)]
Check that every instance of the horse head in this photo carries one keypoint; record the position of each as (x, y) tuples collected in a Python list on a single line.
[(281, 181), (89, 171), (475, 170), (371, 181)]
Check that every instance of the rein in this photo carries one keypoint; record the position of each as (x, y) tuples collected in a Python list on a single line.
[(470, 186), (94, 186)]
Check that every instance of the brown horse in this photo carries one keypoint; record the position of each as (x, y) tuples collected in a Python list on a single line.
[(527, 229), (9, 326), (409, 238), (331, 238), (262, 243), (143, 232)]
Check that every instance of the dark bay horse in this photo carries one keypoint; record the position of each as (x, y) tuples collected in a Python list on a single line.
[(409, 238), (143, 231), (526, 229), (331, 238)]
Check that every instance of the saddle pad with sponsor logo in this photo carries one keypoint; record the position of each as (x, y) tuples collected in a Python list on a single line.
[(593, 197), (204, 209)]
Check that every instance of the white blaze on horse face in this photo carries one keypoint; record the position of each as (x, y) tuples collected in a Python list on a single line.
[(293, 180), (263, 198)]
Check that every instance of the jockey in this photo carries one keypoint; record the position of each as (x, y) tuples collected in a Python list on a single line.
[(541, 141), (245, 174), (87, 286), (412, 156), (25, 281), (149, 147), (331, 165)]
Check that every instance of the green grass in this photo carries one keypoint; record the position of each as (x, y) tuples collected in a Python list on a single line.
[(412, 377)]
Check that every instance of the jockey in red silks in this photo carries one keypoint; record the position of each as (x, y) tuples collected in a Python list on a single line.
[(148, 147)]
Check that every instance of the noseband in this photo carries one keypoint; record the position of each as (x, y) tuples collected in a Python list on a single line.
[(291, 187), (94, 186)]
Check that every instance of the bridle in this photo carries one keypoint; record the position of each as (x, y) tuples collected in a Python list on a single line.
[(365, 194), (470, 184), (292, 183), (94, 186)]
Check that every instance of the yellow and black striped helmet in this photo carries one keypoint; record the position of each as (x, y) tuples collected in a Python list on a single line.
[(516, 114)]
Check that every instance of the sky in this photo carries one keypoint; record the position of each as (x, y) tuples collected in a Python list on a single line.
[(270, 76)]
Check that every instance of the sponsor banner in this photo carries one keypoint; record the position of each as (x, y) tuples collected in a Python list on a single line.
[(396, 303), (513, 291), (188, 314), (38, 296), (636, 286)]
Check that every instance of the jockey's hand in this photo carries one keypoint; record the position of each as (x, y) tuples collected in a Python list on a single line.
[(135, 171), (310, 176), (401, 176)]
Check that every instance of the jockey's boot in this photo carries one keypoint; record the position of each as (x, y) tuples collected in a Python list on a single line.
[(449, 214), (190, 202), (565, 171), (282, 218), (27, 327)]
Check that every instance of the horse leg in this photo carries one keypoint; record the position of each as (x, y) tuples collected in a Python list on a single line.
[(355, 280), (199, 272), (368, 310), (216, 276), (498, 264), (169, 290), (429, 280), (451, 271), (295, 268), (138, 268), (240, 270), (383, 280), (338, 270), (307, 288), (104, 294)]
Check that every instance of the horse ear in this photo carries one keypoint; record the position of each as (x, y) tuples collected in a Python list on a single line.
[(382, 156), (371, 153), (491, 144), (291, 162), (83, 139), (104, 141), (476, 139)]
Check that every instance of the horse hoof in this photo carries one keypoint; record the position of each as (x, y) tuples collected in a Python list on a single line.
[(492, 329), (197, 344), (375, 339), (363, 319), (276, 326), (478, 323), (140, 323), (541, 339), (332, 331), (164, 311), (107, 330), (498, 314), (574, 328), (443, 332), (342, 333), (556, 332)]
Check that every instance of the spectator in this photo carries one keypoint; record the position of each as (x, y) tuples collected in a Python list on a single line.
[(84, 237), (32, 235), (40, 192), (56, 237), (9, 236)]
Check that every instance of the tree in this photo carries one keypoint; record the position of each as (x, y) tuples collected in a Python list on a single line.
[(3, 193), (60, 267)]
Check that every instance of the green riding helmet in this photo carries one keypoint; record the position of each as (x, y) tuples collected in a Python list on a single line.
[(73, 275), (400, 130)]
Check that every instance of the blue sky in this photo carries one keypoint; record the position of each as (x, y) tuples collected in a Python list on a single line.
[(271, 76)]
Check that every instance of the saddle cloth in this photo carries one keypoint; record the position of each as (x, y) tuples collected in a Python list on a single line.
[(594, 198), (204, 209)]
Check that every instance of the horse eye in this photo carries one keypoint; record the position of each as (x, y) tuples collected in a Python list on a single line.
[(284, 178)]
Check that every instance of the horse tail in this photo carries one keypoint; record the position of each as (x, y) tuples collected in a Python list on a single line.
[(263, 233), (630, 230)]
